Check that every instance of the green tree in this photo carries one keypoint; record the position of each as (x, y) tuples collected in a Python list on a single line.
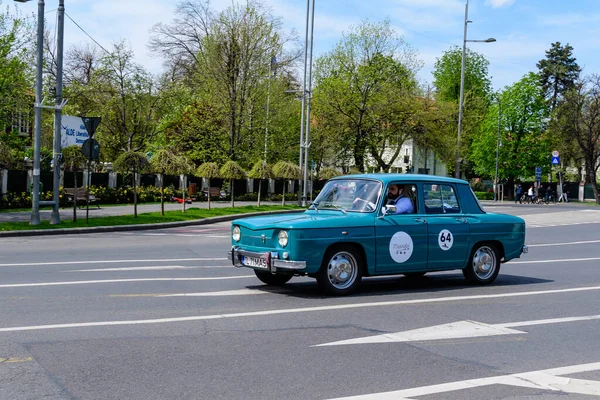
[(232, 170), (525, 142), (578, 117), (16, 73), (73, 160), (225, 57), (133, 162), (558, 72), (208, 171), (477, 95), (370, 70), (286, 171), (123, 93), (261, 170)]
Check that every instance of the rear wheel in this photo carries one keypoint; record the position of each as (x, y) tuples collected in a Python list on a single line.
[(341, 271), (272, 280), (484, 264)]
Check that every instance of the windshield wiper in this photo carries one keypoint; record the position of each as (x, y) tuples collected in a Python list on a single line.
[(337, 207)]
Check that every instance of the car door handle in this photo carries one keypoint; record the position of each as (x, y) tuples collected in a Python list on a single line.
[(462, 220), (421, 220)]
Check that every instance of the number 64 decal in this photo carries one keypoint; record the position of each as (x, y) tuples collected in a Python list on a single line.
[(445, 239)]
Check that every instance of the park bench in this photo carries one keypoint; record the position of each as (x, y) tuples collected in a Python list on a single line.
[(215, 192), (82, 194)]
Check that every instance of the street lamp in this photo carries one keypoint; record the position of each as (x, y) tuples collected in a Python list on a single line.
[(462, 86), (306, 93), (35, 199)]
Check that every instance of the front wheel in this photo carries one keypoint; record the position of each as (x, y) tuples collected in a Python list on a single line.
[(484, 264), (341, 271), (272, 280)]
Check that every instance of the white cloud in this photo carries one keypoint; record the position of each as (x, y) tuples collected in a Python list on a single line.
[(499, 3)]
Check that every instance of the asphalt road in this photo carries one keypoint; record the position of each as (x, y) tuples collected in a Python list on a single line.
[(160, 314)]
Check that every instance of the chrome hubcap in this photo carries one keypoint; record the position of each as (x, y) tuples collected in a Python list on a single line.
[(342, 270), (484, 262)]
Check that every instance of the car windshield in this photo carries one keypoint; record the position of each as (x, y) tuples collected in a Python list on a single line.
[(356, 195)]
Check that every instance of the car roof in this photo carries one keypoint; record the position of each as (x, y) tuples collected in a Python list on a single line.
[(386, 178)]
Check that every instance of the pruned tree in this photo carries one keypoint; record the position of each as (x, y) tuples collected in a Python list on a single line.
[(286, 171), (261, 170), (208, 171), (232, 170), (164, 162), (131, 162), (74, 160), (328, 173)]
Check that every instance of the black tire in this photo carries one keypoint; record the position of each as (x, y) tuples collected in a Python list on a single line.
[(272, 280), (341, 270), (484, 264), (414, 275)]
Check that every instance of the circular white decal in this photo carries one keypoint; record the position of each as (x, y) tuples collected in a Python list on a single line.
[(445, 239), (401, 247)]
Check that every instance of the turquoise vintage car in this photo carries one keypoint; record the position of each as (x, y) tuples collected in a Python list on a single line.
[(351, 231)]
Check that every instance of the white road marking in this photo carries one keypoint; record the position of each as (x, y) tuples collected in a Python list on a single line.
[(217, 278), (154, 268), (456, 330), (111, 261), (563, 243), (562, 260), (549, 379), (238, 292), (297, 310)]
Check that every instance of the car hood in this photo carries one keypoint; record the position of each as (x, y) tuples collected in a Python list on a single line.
[(307, 220)]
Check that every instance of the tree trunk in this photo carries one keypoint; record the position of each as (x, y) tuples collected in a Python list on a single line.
[(231, 187), (259, 190), (283, 195), (75, 197), (183, 194), (594, 185), (134, 194), (162, 194), (208, 193)]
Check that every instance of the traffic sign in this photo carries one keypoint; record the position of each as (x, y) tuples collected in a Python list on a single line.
[(555, 160), (538, 173), (90, 149), (555, 153)]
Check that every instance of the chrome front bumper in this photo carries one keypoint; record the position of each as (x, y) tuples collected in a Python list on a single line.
[(272, 260), (525, 249)]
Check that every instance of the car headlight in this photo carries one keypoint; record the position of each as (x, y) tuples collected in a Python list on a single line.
[(236, 234), (283, 238)]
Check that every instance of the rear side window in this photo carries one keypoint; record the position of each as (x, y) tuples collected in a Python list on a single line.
[(440, 199)]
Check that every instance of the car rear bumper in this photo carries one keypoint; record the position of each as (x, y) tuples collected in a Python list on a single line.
[(272, 261)]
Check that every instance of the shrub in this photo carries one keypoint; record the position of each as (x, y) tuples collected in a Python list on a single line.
[(484, 195)]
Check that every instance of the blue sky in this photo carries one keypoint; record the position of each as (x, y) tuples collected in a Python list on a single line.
[(524, 29)]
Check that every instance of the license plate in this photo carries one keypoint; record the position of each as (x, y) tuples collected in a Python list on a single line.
[(257, 262)]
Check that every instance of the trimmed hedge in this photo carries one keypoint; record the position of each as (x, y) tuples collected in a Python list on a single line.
[(484, 195)]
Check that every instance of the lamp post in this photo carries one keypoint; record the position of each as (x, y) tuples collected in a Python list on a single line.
[(35, 199), (462, 86), (305, 117)]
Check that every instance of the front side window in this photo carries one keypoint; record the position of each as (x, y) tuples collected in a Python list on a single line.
[(357, 195), (440, 199)]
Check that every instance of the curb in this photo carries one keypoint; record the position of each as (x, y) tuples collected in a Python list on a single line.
[(139, 227)]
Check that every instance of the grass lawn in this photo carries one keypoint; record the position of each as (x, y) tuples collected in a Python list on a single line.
[(145, 218)]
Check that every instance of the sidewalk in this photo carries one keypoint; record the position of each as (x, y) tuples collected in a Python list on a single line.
[(67, 213)]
